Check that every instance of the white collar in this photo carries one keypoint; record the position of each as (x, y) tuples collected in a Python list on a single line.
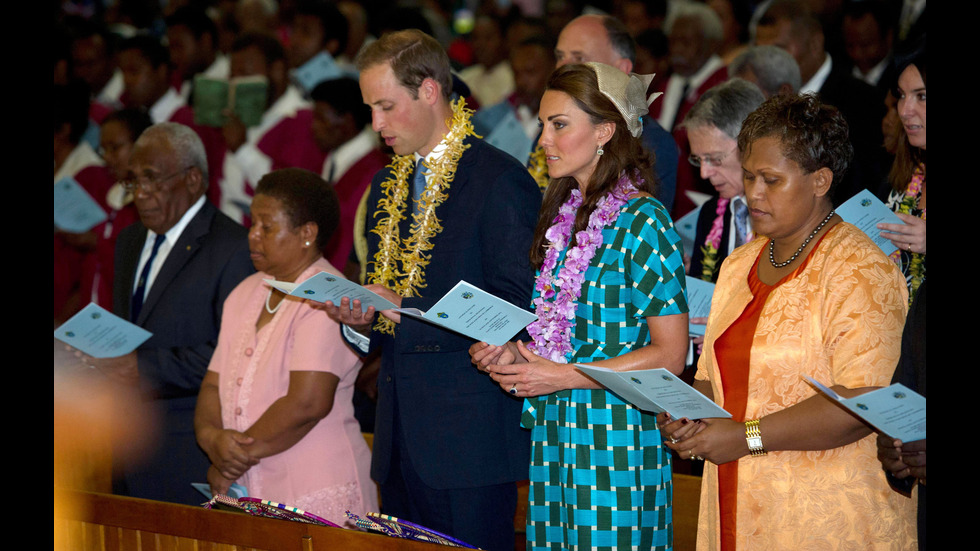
[(166, 106), (81, 157), (288, 103), (220, 69), (675, 86), (350, 152), (874, 74), (816, 81), (286, 106), (710, 66), (435, 154), (109, 95)]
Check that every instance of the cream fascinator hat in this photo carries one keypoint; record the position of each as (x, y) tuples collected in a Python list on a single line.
[(628, 92)]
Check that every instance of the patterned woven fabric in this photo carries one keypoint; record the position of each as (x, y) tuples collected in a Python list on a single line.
[(600, 477)]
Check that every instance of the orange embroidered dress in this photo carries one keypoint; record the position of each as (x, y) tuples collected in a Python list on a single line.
[(838, 319)]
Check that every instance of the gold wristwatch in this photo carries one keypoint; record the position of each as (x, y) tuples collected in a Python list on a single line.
[(754, 438)]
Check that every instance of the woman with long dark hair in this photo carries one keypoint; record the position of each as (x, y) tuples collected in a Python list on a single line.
[(610, 292), (908, 174)]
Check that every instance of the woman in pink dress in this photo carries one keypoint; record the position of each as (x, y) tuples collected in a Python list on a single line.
[(274, 412)]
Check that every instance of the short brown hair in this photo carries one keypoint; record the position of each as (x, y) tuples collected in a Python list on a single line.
[(413, 56)]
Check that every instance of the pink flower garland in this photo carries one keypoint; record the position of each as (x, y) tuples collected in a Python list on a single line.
[(558, 294), (712, 243)]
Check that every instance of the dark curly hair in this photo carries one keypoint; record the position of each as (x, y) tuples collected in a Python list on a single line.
[(812, 134), (305, 197)]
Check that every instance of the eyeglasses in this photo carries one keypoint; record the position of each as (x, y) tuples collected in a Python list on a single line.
[(148, 182), (709, 160)]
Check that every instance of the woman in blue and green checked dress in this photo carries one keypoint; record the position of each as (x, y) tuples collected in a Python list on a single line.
[(610, 292)]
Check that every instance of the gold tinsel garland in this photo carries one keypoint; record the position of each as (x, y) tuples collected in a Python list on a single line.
[(400, 265), (538, 168)]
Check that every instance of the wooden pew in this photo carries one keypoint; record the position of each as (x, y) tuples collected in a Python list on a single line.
[(86, 521), (687, 498)]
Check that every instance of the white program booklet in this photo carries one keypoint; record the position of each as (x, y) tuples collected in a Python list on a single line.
[(656, 390), (896, 410), (327, 287), (475, 313), (465, 309), (866, 211), (100, 333)]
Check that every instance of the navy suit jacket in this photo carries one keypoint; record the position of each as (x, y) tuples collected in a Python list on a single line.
[(460, 428), (183, 311)]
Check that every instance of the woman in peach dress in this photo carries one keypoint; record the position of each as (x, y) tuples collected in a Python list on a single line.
[(813, 296)]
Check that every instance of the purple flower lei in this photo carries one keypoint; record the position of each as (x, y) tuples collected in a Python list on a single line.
[(558, 294)]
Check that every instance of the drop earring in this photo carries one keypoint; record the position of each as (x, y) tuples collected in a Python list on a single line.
[(599, 151)]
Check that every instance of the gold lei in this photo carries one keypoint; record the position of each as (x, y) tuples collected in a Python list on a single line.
[(399, 265), (538, 168)]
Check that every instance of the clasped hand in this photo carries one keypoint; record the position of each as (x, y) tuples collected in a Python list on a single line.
[(517, 370), (226, 450), (715, 440)]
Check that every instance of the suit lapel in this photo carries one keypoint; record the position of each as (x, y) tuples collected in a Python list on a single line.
[(186, 247)]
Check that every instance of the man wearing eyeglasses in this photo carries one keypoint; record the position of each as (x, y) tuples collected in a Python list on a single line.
[(174, 269), (712, 126)]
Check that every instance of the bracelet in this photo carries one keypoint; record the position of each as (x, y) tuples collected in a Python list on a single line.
[(753, 436)]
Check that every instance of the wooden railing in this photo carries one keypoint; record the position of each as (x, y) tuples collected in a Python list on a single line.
[(86, 521)]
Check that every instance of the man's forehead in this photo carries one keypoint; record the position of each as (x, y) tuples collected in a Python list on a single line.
[(151, 152), (588, 39), (379, 83)]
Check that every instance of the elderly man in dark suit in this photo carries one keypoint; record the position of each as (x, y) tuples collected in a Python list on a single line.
[(448, 446), (174, 269)]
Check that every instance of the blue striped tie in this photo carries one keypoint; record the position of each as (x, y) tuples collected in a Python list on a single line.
[(137, 303)]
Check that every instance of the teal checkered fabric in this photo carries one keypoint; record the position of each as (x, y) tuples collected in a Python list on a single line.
[(600, 477)]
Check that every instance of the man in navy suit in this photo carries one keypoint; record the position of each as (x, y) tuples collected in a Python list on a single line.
[(174, 269), (448, 446)]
